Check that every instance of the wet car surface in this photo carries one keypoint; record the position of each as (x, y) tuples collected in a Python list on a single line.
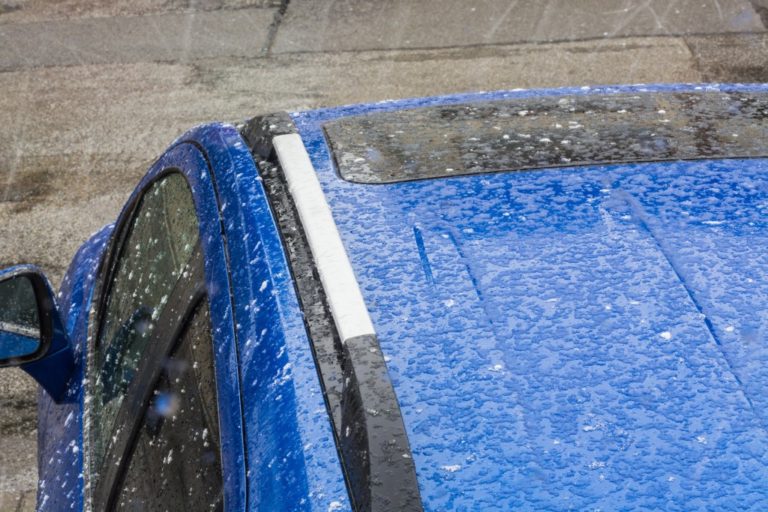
[(540, 336)]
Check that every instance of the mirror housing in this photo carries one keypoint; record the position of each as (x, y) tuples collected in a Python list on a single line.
[(50, 361)]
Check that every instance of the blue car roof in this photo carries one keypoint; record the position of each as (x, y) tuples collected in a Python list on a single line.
[(571, 338)]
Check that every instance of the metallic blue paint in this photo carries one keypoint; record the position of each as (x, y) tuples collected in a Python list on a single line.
[(291, 453), (60, 459), (60, 426), (575, 338), (583, 338), (292, 458)]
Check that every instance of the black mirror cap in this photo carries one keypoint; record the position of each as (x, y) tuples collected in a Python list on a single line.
[(51, 365)]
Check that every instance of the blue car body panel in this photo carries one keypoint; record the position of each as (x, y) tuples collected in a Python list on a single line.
[(578, 338), (292, 458), (279, 413), (60, 430)]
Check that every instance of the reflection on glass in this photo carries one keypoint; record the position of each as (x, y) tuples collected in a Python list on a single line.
[(158, 246), (176, 462), (19, 321)]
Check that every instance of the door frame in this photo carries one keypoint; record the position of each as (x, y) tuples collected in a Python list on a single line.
[(188, 160)]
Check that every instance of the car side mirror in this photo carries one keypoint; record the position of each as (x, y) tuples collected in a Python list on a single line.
[(31, 332), (20, 337)]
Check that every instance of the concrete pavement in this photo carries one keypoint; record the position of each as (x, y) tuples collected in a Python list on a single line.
[(92, 93), (317, 26)]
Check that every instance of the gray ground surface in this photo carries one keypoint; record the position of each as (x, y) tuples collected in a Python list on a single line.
[(93, 91)]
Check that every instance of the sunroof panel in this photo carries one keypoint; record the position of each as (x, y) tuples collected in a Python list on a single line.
[(548, 131)]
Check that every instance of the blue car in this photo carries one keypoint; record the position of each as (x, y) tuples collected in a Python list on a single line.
[(535, 300)]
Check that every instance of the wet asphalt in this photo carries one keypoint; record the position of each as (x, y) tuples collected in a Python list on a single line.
[(92, 93)]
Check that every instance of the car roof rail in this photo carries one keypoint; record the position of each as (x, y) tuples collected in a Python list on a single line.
[(366, 418)]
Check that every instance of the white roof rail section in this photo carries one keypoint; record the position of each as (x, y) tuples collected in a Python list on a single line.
[(341, 288)]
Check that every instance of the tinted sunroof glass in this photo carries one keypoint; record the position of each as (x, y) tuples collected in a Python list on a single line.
[(549, 131)]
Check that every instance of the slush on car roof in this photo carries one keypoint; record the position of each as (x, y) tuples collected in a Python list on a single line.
[(545, 299)]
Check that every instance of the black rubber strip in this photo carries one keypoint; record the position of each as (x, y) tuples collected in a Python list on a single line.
[(374, 443), (367, 423), (326, 344)]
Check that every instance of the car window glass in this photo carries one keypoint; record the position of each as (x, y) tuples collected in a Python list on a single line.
[(513, 134), (18, 307), (158, 245), (176, 462)]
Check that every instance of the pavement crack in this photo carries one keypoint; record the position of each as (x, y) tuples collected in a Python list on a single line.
[(696, 61), (4, 8), (266, 50), (761, 10)]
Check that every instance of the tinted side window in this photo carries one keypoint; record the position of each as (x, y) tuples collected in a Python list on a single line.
[(176, 463), (158, 244)]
